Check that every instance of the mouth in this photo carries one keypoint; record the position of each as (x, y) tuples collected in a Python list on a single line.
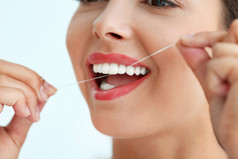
[(115, 75)]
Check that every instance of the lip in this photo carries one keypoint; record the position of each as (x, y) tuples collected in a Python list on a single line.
[(97, 58)]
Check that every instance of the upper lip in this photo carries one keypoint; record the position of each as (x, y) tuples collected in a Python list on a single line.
[(97, 58)]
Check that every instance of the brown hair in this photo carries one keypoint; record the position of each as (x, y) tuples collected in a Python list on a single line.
[(230, 12)]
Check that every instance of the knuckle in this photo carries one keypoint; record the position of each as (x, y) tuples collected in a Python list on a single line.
[(31, 97), (219, 50), (31, 94), (3, 79), (35, 81), (33, 78), (20, 96), (216, 47)]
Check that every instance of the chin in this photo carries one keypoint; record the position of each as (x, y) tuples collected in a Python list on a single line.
[(114, 128), (124, 124)]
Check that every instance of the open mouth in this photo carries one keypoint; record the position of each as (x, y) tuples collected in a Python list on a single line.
[(115, 75)]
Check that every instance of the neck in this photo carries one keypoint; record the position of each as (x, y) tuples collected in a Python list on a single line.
[(195, 139)]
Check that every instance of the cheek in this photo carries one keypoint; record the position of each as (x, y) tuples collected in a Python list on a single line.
[(77, 41)]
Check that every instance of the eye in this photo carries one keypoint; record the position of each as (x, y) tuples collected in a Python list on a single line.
[(161, 3)]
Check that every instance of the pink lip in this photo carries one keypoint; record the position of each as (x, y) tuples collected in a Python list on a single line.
[(97, 58)]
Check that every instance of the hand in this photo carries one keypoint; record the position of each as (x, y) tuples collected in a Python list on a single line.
[(218, 76), (27, 93)]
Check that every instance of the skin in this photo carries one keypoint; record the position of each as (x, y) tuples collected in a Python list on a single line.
[(186, 89), (165, 112), (90, 31), (22, 91)]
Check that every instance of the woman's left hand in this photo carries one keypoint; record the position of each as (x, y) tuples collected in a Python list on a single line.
[(218, 76)]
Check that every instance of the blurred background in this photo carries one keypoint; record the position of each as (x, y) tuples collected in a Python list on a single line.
[(32, 33)]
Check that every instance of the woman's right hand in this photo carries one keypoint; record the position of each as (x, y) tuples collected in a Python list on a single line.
[(27, 93)]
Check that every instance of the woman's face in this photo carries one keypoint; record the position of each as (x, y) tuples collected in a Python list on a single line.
[(123, 31)]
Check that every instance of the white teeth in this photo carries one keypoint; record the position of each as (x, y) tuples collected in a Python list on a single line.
[(99, 68), (95, 68), (122, 69), (105, 68), (143, 71), (105, 86), (137, 70), (130, 70), (113, 69)]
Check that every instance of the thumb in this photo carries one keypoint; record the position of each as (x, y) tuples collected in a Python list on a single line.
[(197, 59)]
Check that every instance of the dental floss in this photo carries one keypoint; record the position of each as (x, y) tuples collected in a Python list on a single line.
[(161, 50), (80, 82)]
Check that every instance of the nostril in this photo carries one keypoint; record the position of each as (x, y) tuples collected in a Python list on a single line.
[(114, 35)]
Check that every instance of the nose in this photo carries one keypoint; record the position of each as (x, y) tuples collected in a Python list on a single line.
[(113, 24)]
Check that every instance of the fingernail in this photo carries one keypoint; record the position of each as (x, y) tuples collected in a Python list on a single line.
[(37, 114), (187, 36), (51, 89), (27, 111), (43, 93)]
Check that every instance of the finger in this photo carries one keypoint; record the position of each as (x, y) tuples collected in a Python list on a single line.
[(19, 127), (225, 49), (16, 98), (229, 125), (27, 76), (232, 36), (204, 39), (221, 74), (47, 89), (216, 110), (196, 58), (231, 109), (31, 97)]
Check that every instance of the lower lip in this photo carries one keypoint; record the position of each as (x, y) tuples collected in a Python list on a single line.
[(115, 92)]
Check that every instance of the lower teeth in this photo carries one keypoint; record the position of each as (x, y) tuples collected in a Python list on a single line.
[(105, 86)]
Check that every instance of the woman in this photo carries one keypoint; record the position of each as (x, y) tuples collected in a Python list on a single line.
[(187, 105)]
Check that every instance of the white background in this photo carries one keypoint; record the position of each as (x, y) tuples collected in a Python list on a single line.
[(32, 33)]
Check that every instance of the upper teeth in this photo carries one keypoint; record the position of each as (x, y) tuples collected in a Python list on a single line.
[(113, 69)]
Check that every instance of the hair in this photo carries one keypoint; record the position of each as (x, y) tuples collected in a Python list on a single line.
[(230, 12)]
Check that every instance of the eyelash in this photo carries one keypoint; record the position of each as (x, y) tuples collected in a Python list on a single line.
[(165, 3)]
